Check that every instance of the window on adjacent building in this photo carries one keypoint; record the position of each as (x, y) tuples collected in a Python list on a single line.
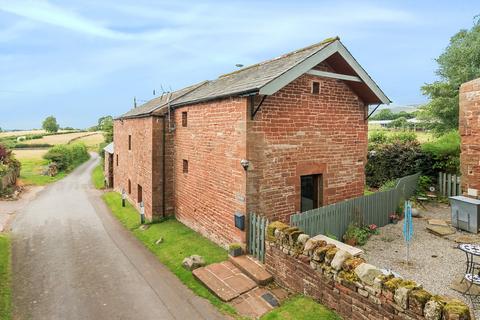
[(311, 192), (129, 142), (185, 166), (316, 87), (184, 119), (139, 193), (116, 159), (129, 186)]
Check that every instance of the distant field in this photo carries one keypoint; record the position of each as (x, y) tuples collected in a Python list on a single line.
[(21, 154), (93, 141), (422, 136), (26, 132), (20, 133), (58, 139)]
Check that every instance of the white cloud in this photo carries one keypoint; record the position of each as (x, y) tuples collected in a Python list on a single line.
[(43, 11)]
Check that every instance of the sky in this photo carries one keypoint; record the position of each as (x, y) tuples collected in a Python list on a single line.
[(80, 60)]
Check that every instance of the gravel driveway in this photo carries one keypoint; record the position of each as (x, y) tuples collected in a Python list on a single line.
[(435, 261)]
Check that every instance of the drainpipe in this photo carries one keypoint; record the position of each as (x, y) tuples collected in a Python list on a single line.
[(163, 170)]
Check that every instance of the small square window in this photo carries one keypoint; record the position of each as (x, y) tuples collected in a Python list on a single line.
[(184, 119), (185, 166), (316, 87), (129, 142)]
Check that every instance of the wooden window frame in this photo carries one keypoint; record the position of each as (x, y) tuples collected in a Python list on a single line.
[(315, 87), (184, 118)]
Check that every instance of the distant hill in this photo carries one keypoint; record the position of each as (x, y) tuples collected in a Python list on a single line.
[(398, 108)]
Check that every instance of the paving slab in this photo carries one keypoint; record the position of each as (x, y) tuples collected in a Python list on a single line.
[(440, 230), (438, 222), (252, 268), (252, 304), (224, 280)]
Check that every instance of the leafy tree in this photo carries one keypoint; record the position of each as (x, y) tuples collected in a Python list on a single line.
[(398, 123), (458, 64), (384, 114), (50, 124), (105, 124)]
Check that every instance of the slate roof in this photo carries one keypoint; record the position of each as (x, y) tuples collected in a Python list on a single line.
[(156, 103), (252, 77), (247, 80)]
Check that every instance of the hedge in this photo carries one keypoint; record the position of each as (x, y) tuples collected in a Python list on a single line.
[(67, 157)]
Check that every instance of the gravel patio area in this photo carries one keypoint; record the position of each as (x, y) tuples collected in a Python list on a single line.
[(435, 262)]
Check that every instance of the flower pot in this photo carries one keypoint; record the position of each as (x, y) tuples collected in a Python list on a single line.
[(235, 252), (351, 242)]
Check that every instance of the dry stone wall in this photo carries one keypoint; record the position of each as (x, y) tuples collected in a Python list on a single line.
[(347, 284)]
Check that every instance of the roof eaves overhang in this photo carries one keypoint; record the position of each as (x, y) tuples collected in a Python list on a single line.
[(232, 94), (138, 116), (316, 58)]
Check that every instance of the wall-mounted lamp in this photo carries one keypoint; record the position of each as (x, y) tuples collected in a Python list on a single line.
[(245, 163)]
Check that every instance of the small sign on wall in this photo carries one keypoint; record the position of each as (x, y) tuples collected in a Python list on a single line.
[(472, 192)]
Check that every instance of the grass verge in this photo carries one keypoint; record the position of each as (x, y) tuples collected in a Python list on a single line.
[(97, 177), (31, 172), (301, 308), (178, 242), (5, 273)]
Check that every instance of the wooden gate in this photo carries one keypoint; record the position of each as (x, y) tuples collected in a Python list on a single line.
[(257, 226), (449, 184)]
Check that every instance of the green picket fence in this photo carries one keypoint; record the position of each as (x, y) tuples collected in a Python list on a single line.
[(449, 185), (333, 220), (257, 227)]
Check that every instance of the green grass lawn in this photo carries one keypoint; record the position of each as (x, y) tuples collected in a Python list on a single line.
[(98, 177), (5, 273), (178, 242), (31, 172), (301, 308)]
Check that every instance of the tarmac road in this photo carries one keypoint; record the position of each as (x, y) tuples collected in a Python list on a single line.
[(73, 260)]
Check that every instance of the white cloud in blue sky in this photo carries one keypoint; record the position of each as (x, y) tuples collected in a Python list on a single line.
[(81, 60)]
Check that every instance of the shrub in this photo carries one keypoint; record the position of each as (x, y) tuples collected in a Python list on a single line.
[(390, 184), (67, 157), (424, 183), (403, 136), (359, 235), (392, 161), (442, 154), (377, 137)]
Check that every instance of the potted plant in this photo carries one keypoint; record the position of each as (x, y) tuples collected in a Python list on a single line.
[(235, 249), (394, 218)]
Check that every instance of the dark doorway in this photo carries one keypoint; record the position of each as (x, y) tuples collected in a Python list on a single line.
[(311, 192), (110, 171), (139, 193)]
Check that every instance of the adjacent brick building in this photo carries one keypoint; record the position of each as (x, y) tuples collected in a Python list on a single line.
[(469, 127), (275, 138)]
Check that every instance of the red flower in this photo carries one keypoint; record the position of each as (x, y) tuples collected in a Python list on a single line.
[(372, 227)]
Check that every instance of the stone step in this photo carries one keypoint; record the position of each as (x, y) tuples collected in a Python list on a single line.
[(224, 279), (252, 268)]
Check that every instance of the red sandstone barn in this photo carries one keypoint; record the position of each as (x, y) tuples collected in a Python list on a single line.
[(275, 138)]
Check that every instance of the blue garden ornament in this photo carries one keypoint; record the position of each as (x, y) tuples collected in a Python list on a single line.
[(408, 227)]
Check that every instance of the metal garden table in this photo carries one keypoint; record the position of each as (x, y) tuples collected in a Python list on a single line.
[(471, 251)]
